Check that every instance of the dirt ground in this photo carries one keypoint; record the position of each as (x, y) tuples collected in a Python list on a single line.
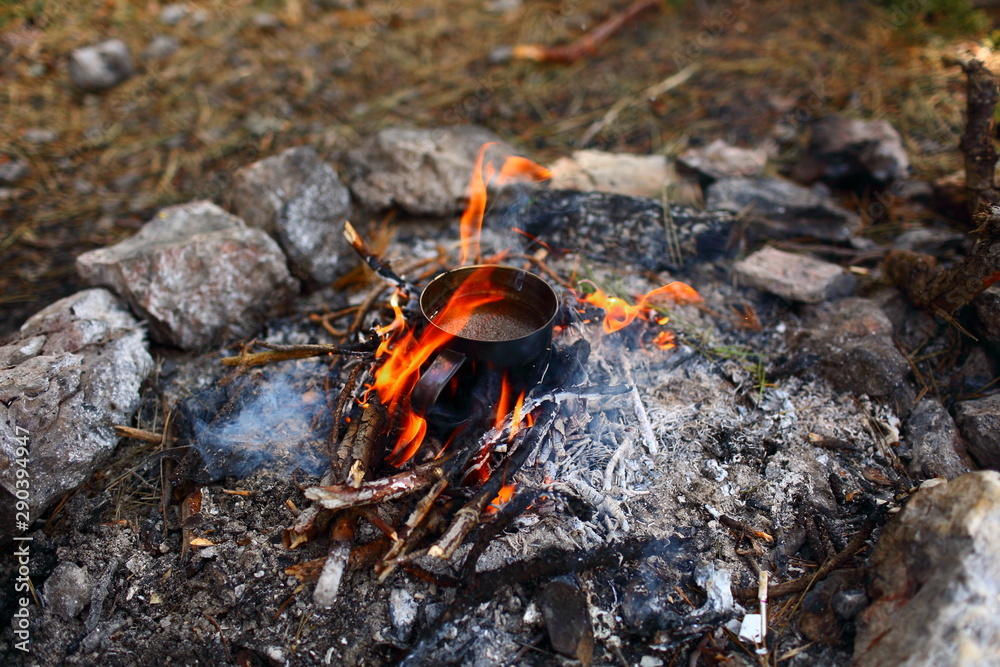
[(239, 88)]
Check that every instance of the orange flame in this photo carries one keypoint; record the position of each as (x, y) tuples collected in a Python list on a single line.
[(395, 379), (398, 323), (513, 169), (506, 493), (619, 313), (515, 422), (665, 340)]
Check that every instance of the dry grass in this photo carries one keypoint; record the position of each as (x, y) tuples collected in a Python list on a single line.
[(234, 92)]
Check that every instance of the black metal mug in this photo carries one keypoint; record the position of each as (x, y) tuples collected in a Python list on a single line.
[(512, 327)]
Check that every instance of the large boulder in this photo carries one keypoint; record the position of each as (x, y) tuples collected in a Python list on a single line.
[(70, 374), (198, 275), (422, 171), (301, 202), (935, 587)]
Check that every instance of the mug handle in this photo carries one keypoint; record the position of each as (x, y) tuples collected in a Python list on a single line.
[(433, 381)]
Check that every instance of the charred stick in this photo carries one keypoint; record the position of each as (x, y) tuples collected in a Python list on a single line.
[(574, 51), (410, 535), (377, 490), (927, 284), (373, 296), (362, 556), (286, 352), (977, 142), (743, 529), (468, 516), (341, 538), (512, 509), (345, 396), (803, 583), (309, 523), (381, 268), (371, 516), (374, 424)]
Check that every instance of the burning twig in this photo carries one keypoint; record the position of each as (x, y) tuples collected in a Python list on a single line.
[(381, 268), (372, 426), (286, 352), (377, 490), (510, 510), (469, 515), (743, 529), (345, 395), (574, 51)]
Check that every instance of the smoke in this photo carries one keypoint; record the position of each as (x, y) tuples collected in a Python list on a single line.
[(274, 424)]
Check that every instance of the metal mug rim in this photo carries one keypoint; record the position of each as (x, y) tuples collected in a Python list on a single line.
[(472, 268)]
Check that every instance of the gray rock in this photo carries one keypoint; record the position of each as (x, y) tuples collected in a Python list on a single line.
[(616, 228), (936, 580), (931, 241), (12, 171), (424, 172), (267, 21), (931, 445), (173, 13), (67, 590), (852, 338), (160, 47), (101, 66), (300, 201), (782, 209), (979, 423), (619, 173), (987, 307), (844, 149), (197, 274), (39, 135), (721, 160), (795, 277), (70, 374)]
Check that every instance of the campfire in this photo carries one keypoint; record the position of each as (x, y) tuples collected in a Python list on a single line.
[(458, 418)]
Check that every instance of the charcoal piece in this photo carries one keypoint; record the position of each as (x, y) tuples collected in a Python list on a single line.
[(567, 617), (629, 230)]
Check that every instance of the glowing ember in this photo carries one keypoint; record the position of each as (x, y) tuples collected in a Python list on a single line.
[(665, 340), (619, 313), (506, 493)]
